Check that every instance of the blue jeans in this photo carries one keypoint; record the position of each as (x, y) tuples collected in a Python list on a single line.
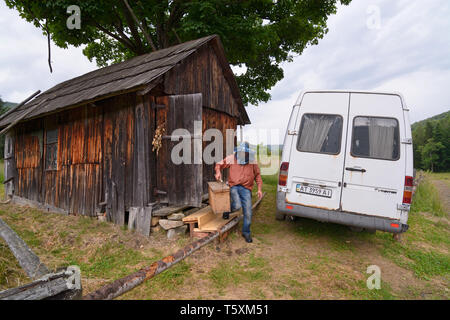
[(242, 198)]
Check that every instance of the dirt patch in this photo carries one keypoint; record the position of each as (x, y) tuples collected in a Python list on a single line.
[(444, 193)]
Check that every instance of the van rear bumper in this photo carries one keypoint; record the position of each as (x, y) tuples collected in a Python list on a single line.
[(340, 217)]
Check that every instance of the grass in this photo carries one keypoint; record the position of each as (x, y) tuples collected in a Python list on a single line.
[(302, 259), (427, 242), (424, 263), (237, 272), (11, 274), (444, 176), (426, 199), (109, 260)]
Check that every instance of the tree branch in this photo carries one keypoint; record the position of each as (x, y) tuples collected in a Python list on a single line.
[(133, 28), (147, 36), (125, 41), (49, 47)]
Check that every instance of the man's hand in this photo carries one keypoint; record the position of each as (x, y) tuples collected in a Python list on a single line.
[(218, 176), (260, 194)]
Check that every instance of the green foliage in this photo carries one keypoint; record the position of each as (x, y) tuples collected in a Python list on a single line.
[(11, 274), (257, 34), (432, 143)]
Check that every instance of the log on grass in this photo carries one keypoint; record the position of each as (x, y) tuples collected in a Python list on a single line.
[(27, 259), (121, 286)]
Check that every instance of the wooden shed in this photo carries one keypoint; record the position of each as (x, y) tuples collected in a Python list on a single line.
[(87, 147)]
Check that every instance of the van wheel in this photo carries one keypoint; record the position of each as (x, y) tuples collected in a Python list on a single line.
[(280, 216), (356, 229)]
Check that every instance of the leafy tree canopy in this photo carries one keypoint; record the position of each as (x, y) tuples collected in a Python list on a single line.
[(431, 141), (257, 34)]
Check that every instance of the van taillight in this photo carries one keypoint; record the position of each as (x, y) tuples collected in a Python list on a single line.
[(282, 179), (407, 194), (409, 181)]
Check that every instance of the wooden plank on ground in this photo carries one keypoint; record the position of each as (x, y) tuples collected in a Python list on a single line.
[(167, 211), (27, 259), (198, 214), (206, 218), (132, 217), (217, 223), (143, 221), (64, 285)]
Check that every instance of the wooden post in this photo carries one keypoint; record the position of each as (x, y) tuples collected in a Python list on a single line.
[(144, 220), (132, 216), (10, 165), (27, 259), (63, 285)]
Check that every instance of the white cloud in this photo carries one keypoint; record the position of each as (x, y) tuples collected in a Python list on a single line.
[(23, 59), (410, 53)]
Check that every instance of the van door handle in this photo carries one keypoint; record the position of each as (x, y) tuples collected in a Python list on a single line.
[(356, 169)]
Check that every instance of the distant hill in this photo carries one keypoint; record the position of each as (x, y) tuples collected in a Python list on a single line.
[(436, 117), (10, 105)]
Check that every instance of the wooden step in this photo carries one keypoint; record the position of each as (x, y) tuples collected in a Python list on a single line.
[(216, 223), (195, 216), (205, 219)]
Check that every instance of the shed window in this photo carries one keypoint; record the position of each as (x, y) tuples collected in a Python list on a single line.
[(376, 138), (320, 133), (51, 150)]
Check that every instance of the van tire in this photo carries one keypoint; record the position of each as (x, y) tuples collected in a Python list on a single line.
[(280, 216), (356, 229)]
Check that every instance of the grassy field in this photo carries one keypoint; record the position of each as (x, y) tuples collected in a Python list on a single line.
[(300, 259)]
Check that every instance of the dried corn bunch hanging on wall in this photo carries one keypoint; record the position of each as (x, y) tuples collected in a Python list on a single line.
[(157, 139)]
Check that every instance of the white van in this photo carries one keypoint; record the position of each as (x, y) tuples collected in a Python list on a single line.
[(348, 159)]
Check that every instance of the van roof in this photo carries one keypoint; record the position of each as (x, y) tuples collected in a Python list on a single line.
[(350, 91)]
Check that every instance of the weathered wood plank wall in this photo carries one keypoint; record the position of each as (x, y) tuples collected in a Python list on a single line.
[(201, 73), (104, 151)]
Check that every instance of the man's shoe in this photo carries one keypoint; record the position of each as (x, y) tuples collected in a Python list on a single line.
[(248, 238), (226, 215)]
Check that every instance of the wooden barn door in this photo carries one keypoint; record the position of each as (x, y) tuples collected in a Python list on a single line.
[(180, 183)]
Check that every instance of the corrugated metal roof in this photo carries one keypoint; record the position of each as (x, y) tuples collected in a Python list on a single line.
[(112, 80)]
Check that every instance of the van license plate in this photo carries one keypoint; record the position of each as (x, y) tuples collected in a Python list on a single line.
[(315, 191)]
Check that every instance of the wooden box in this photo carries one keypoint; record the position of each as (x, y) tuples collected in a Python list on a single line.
[(219, 197)]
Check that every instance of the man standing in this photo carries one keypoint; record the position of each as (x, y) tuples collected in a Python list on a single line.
[(244, 171)]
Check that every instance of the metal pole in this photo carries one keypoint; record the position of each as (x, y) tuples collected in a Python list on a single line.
[(121, 286)]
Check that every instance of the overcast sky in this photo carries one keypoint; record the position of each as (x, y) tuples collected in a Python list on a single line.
[(387, 45)]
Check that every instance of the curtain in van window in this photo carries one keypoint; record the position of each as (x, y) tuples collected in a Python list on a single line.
[(381, 137), (314, 131)]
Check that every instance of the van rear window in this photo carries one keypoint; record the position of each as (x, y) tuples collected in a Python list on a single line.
[(320, 133), (376, 138)]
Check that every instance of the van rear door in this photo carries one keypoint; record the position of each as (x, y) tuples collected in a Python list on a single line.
[(374, 170), (317, 154)]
